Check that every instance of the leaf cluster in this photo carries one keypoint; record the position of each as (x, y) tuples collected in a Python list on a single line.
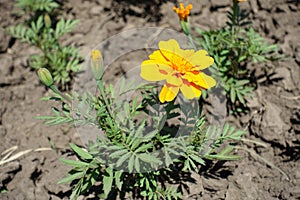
[(232, 47), (140, 144), (31, 6), (44, 33)]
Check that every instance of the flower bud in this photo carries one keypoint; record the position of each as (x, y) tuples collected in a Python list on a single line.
[(97, 64), (183, 14), (186, 27), (45, 77), (47, 21)]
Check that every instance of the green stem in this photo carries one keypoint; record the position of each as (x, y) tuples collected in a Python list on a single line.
[(63, 96), (191, 41), (101, 88)]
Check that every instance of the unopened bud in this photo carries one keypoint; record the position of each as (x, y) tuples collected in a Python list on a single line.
[(186, 27), (45, 77), (97, 64), (47, 21)]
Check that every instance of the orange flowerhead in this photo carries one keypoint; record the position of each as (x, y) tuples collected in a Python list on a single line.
[(183, 12), (181, 70)]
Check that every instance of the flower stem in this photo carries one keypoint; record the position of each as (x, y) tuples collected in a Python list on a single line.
[(191, 42), (101, 88), (63, 96)]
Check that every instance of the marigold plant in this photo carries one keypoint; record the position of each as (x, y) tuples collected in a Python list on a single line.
[(134, 152), (232, 47), (152, 137), (43, 30)]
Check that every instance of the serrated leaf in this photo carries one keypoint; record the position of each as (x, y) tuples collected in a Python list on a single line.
[(144, 193), (231, 130), (240, 98), (225, 128), (227, 150), (232, 95), (107, 181), (94, 176), (242, 82), (162, 122), (197, 159), (149, 136), (74, 163), (148, 158), (186, 165), (122, 159), (168, 159), (137, 164), (118, 181), (135, 142), (81, 152), (237, 135), (147, 184), (131, 163), (118, 153), (122, 86), (55, 111), (144, 147), (71, 177)]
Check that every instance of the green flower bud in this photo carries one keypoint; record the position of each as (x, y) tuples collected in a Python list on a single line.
[(97, 64), (45, 77), (47, 21), (185, 25)]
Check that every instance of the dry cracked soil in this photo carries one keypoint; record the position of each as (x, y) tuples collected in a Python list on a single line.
[(268, 170)]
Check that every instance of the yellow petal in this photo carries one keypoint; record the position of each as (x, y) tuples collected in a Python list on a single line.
[(200, 60), (200, 79), (164, 68), (196, 90), (188, 53), (206, 81), (169, 49), (168, 93), (157, 56), (170, 45), (174, 79), (189, 90), (152, 71)]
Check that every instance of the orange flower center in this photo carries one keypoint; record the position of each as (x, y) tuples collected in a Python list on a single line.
[(181, 65)]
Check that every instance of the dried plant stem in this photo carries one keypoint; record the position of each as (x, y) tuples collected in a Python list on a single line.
[(254, 142), (7, 158), (291, 98)]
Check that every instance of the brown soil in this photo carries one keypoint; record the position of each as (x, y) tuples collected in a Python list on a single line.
[(264, 172)]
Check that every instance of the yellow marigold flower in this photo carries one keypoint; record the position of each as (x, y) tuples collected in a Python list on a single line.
[(183, 12), (180, 68)]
